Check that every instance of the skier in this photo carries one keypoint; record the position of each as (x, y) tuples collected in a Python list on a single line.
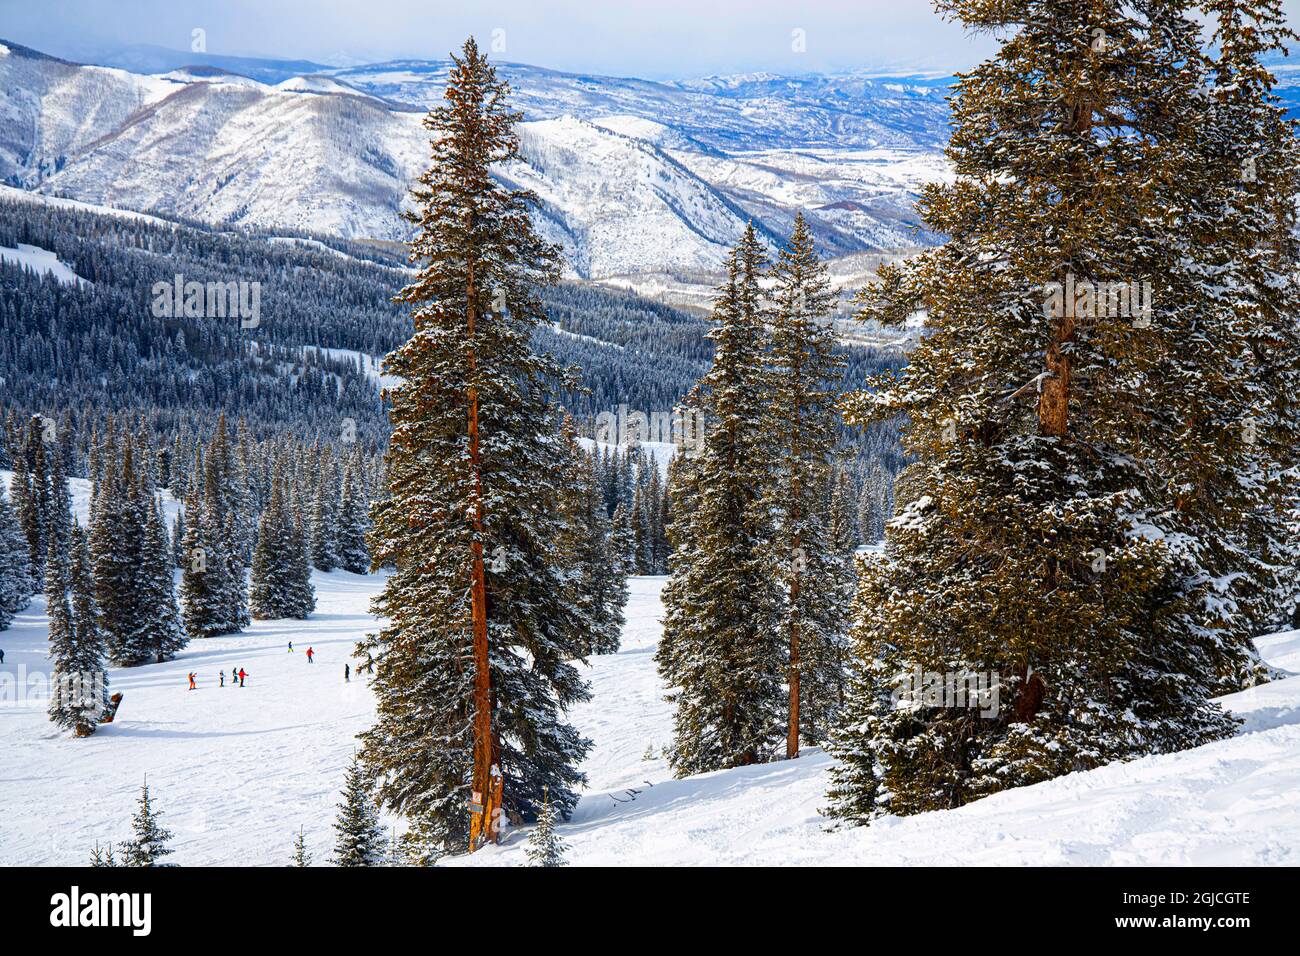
[(310, 652), (191, 680), (291, 647), (222, 675), (2, 657), (347, 674), (241, 677)]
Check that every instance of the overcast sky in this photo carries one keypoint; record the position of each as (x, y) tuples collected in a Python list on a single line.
[(663, 39)]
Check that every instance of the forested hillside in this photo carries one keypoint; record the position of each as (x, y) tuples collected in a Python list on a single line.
[(325, 312)]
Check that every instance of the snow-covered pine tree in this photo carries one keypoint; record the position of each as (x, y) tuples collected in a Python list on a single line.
[(225, 504), (603, 570), (148, 843), (842, 536), (58, 503), (545, 848), (78, 679), (621, 543), (354, 523), (1251, 219), (301, 857), (213, 585), (20, 490), (302, 593), (16, 585), (324, 517), (199, 589), (471, 520), (875, 504), (395, 850), (585, 542), (31, 494), (281, 579), (359, 838), (102, 856), (1084, 414), (116, 538), (642, 545), (658, 549), (722, 656), (178, 539), (665, 517), (803, 371), (247, 499), (162, 633)]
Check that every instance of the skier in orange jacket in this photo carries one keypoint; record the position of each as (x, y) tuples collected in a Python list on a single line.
[(191, 681)]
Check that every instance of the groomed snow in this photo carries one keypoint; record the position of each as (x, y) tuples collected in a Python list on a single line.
[(238, 770)]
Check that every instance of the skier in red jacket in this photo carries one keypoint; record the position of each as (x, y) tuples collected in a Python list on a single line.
[(191, 681), (241, 677), (310, 653)]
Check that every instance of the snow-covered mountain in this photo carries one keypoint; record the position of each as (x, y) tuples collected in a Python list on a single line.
[(641, 182)]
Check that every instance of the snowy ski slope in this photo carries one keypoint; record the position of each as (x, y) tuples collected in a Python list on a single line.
[(238, 770)]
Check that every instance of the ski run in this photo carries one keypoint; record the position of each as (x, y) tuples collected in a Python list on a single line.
[(237, 771)]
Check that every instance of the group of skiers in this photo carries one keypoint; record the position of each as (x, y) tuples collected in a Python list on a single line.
[(238, 674)]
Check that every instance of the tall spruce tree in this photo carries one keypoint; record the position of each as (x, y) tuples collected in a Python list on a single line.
[(178, 539), (802, 417), (621, 543), (1251, 219), (31, 492), (324, 517), (213, 585), (597, 580), (354, 523), (116, 548), (302, 594), (722, 657), (199, 589), (78, 680), (16, 585), (1089, 427), (163, 635), (281, 579), (475, 667)]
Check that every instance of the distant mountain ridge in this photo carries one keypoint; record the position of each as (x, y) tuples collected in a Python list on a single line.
[(643, 184)]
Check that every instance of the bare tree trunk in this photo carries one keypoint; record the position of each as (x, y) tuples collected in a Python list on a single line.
[(792, 725), (796, 570)]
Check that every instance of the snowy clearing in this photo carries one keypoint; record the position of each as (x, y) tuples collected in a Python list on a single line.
[(42, 261)]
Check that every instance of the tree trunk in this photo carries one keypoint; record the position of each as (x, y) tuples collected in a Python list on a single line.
[(1054, 399), (483, 820), (796, 569)]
